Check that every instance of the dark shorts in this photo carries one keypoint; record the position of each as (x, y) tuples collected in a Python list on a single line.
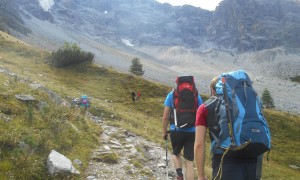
[(235, 168), (183, 140)]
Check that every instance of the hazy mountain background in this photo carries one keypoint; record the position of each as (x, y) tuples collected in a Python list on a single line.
[(260, 36)]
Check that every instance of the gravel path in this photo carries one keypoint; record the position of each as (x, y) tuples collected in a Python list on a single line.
[(137, 157)]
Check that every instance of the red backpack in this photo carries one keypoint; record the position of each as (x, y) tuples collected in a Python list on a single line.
[(185, 99)]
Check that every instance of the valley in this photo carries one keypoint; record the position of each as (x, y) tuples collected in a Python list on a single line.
[(269, 69)]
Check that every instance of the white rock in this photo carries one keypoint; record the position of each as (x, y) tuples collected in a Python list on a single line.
[(57, 163)]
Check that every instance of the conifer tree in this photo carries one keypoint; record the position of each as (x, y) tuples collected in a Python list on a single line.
[(136, 67), (267, 99)]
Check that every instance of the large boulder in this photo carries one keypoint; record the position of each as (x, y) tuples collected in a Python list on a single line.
[(59, 164)]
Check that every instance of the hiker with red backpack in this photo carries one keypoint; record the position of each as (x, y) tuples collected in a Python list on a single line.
[(238, 131), (180, 109)]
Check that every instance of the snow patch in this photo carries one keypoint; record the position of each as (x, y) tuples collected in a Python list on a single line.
[(46, 4), (126, 42)]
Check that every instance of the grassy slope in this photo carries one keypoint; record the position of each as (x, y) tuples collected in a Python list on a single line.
[(42, 130), (296, 79), (111, 96)]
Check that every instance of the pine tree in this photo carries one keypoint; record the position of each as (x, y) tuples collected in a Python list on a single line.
[(267, 99), (136, 67)]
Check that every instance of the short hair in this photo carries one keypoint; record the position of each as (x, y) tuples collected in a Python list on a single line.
[(213, 83)]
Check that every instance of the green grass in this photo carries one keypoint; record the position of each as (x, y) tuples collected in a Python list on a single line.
[(110, 96), (285, 133), (39, 130), (296, 79), (111, 158)]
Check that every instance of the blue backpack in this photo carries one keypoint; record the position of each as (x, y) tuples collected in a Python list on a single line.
[(84, 101), (243, 130)]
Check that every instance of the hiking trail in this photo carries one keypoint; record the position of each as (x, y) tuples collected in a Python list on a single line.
[(138, 158)]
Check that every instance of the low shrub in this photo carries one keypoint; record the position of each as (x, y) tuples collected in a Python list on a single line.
[(70, 54)]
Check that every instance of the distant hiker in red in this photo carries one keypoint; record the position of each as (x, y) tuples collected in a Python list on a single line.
[(138, 96), (133, 96)]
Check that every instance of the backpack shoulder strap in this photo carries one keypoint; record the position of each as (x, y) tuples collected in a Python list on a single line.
[(211, 100), (175, 95)]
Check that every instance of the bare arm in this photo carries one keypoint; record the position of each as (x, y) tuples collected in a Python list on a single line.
[(165, 120), (199, 150)]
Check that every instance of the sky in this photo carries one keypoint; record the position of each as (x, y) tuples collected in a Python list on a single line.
[(204, 4)]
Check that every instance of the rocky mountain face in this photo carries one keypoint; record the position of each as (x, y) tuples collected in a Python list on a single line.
[(243, 25), (145, 22), (10, 17), (252, 25), (11, 12)]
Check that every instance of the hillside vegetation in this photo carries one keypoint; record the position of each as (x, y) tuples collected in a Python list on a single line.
[(296, 79), (52, 126)]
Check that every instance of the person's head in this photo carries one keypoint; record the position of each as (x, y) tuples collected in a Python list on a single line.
[(212, 86)]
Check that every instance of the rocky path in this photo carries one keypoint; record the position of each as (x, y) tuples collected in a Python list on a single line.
[(137, 158)]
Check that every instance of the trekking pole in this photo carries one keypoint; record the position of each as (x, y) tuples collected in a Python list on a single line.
[(166, 140), (167, 158)]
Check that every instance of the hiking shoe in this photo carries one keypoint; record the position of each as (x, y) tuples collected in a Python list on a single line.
[(179, 177)]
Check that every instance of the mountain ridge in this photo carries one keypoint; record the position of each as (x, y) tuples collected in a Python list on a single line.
[(247, 25)]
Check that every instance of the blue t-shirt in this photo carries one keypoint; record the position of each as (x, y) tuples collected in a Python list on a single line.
[(169, 103)]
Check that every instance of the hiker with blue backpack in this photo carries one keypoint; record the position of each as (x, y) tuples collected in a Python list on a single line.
[(180, 109), (84, 102), (238, 131)]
